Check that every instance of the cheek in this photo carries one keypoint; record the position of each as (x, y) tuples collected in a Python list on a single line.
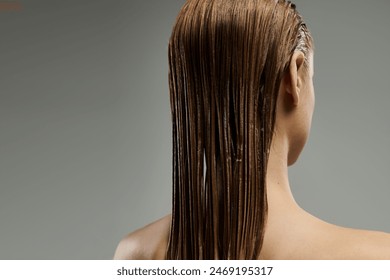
[(301, 125), (309, 112), (312, 102), (298, 139)]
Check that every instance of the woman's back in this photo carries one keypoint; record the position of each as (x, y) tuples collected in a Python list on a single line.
[(287, 239)]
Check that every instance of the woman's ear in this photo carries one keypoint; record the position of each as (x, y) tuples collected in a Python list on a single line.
[(294, 76)]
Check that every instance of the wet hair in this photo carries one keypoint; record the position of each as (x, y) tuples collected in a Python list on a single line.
[(226, 62)]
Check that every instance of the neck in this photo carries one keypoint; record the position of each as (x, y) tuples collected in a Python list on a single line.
[(283, 212), (279, 194)]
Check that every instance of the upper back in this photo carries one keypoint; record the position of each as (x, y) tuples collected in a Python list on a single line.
[(321, 241)]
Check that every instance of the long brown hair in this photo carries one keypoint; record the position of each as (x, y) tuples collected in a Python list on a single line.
[(226, 61)]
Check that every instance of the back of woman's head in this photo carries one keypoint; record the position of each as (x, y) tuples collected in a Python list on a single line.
[(227, 59)]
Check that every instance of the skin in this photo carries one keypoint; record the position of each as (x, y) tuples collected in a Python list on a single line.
[(291, 232)]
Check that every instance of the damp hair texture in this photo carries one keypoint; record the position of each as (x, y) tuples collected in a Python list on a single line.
[(226, 62)]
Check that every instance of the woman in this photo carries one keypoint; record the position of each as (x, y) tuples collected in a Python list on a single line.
[(242, 100)]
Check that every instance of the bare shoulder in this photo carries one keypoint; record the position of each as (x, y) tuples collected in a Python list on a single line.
[(145, 243), (376, 245), (312, 238), (365, 244)]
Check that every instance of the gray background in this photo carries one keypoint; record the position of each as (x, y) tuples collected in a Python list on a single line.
[(85, 142)]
